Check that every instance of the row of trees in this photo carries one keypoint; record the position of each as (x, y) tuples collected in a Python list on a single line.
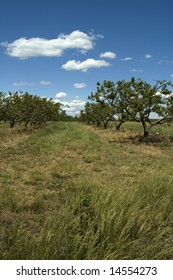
[(28, 109), (134, 100)]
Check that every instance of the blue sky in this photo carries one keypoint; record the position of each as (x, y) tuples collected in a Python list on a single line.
[(60, 49)]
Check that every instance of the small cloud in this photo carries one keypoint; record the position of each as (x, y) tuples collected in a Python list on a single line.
[(61, 95), (45, 83), (77, 96), (148, 56), (100, 36), (110, 55), (127, 58), (171, 75), (72, 65), (79, 85), (136, 70)]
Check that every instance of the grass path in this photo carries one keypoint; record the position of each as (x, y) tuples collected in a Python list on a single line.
[(68, 192)]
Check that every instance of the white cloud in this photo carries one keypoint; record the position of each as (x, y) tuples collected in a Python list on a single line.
[(79, 85), (72, 65), (45, 83), (76, 102), (100, 36), (71, 107), (110, 55), (24, 48), (77, 96), (61, 94), (147, 56), (136, 70), (171, 75), (161, 94), (127, 58), (75, 106), (23, 84), (64, 103)]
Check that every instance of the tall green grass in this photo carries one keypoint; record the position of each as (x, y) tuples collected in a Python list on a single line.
[(68, 192)]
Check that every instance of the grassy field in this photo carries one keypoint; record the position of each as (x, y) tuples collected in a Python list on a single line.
[(71, 191)]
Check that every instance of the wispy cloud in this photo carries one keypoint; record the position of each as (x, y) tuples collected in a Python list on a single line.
[(72, 65), (24, 48), (161, 61), (171, 75), (61, 94), (127, 58), (23, 84), (136, 70), (167, 62), (148, 56), (79, 85), (45, 83), (110, 55)]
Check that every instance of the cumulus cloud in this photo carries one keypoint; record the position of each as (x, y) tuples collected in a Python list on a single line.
[(147, 56), (127, 58), (72, 65), (79, 85), (64, 103), (24, 48), (76, 102), (45, 83), (110, 55), (61, 94), (72, 107)]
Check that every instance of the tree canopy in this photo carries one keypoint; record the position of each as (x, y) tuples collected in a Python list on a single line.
[(28, 109), (134, 100)]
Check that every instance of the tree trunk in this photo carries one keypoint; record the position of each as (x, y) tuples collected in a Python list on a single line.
[(118, 126), (146, 133), (12, 123), (105, 125)]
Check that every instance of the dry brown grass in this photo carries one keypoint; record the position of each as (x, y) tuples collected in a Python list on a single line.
[(87, 191)]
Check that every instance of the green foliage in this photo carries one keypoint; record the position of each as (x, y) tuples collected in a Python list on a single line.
[(134, 100), (28, 109)]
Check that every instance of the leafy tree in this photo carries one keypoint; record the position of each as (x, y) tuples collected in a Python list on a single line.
[(12, 104), (139, 100), (2, 111), (89, 114), (103, 100), (28, 109), (134, 100)]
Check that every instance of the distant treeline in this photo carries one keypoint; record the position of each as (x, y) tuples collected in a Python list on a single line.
[(27, 109)]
